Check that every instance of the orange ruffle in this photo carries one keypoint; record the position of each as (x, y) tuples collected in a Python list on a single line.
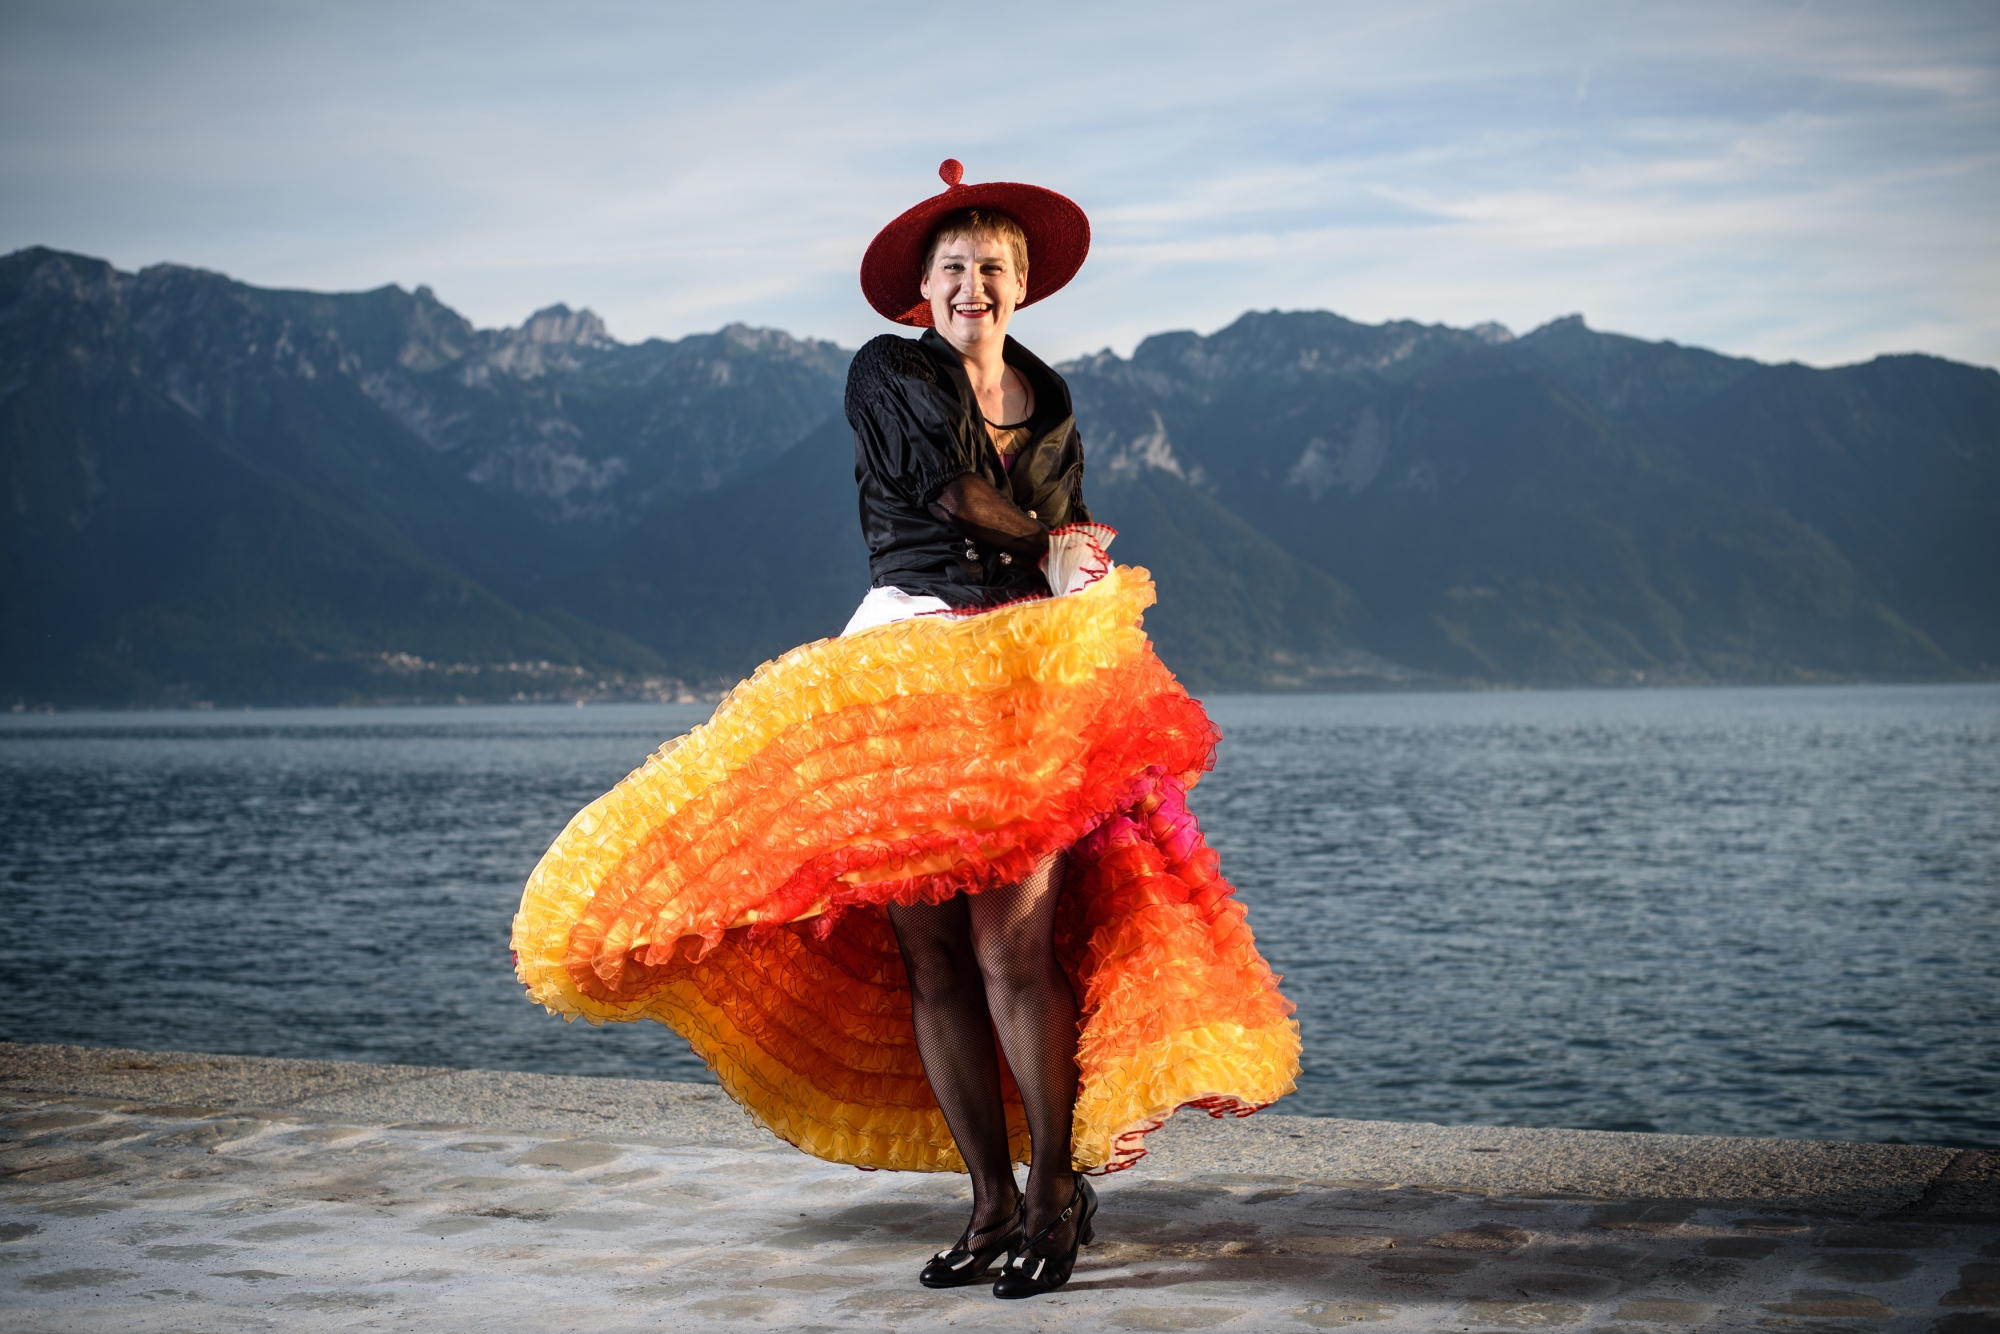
[(734, 886)]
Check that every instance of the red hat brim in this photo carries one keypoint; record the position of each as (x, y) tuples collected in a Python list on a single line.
[(1057, 230)]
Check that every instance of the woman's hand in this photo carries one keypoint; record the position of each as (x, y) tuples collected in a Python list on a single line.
[(970, 504)]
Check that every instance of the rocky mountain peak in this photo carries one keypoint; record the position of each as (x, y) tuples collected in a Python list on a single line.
[(548, 340), (777, 343), (1563, 324), (560, 326)]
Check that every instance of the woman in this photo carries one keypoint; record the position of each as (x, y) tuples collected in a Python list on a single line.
[(967, 456), (964, 817)]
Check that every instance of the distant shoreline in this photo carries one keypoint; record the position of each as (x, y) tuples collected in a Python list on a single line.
[(397, 705)]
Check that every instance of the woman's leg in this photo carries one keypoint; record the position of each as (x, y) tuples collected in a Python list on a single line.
[(955, 1040), (1034, 1011)]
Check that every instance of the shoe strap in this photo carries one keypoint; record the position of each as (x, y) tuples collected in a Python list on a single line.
[(1049, 1232), (1010, 1221)]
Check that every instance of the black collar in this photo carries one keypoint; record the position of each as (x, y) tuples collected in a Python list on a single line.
[(1050, 391)]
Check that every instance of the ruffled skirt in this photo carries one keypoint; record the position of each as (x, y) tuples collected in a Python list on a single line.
[(734, 886)]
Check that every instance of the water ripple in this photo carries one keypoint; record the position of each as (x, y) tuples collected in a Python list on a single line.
[(1761, 912)]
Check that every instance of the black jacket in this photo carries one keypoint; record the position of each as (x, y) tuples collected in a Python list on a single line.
[(917, 427)]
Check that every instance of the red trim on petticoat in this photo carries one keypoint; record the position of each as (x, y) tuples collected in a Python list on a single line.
[(1129, 1146)]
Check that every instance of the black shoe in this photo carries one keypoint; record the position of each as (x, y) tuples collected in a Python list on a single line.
[(1029, 1274), (966, 1263)]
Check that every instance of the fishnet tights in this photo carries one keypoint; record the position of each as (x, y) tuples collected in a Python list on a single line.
[(981, 964)]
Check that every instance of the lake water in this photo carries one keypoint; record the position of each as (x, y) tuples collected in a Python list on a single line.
[(1759, 912)]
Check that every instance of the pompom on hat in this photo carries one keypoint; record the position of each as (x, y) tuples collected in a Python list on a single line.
[(1057, 230)]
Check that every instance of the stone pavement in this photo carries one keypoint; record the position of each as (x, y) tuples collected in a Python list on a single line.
[(166, 1191)]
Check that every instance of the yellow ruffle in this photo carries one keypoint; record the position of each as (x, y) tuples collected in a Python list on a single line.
[(733, 886)]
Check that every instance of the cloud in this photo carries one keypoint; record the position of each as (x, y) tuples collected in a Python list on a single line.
[(1776, 179)]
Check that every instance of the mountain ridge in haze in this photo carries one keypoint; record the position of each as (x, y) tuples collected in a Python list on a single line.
[(223, 492)]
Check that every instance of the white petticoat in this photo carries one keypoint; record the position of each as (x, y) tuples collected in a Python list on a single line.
[(1076, 559), (883, 605)]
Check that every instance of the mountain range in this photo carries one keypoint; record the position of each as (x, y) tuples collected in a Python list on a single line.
[(221, 493)]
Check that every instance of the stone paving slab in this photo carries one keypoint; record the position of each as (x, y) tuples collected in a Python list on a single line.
[(172, 1191)]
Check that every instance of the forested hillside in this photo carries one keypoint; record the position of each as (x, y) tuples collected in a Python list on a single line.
[(221, 493)]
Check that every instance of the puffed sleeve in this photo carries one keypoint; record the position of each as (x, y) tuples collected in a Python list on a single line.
[(1070, 472), (1050, 481), (905, 420)]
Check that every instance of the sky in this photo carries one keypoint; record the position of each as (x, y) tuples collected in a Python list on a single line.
[(1802, 181)]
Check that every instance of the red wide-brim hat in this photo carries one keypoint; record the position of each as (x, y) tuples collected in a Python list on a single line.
[(1058, 239)]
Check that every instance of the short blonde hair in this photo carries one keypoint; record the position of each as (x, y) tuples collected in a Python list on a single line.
[(979, 222)]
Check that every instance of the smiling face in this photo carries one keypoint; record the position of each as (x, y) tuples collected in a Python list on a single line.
[(973, 284)]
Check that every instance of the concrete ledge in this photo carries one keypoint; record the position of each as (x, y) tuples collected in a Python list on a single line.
[(381, 1094), (1815, 1174), (132, 1185)]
